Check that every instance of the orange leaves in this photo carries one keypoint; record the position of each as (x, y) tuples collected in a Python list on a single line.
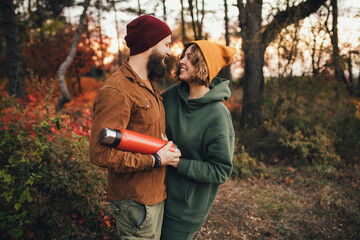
[(291, 169), (106, 220), (289, 179), (37, 118)]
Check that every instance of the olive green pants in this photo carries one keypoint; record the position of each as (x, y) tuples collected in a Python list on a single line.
[(135, 221)]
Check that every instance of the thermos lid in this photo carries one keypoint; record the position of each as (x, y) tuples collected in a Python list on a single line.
[(107, 136)]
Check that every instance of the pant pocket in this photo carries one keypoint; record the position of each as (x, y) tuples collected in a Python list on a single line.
[(136, 213)]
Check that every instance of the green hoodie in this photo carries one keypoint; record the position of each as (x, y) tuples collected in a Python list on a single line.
[(203, 131)]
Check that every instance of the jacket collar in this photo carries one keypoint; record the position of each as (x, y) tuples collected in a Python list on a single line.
[(129, 72), (132, 76)]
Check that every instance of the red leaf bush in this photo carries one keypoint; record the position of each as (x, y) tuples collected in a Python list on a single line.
[(45, 173)]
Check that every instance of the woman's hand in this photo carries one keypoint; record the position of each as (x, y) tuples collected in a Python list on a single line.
[(168, 157)]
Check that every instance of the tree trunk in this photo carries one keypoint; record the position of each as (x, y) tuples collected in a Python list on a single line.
[(117, 34), (351, 78), (358, 86), (103, 73), (339, 73), (254, 60), (253, 84), (200, 23), (191, 9), (255, 39), (164, 10), (15, 71), (183, 31), (65, 96), (227, 70), (29, 7), (78, 80), (139, 8)]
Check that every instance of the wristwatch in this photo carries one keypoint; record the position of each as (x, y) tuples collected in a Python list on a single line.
[(157, 160)]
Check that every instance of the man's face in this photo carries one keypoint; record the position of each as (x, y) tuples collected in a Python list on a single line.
[(163, 47), (156, 64)]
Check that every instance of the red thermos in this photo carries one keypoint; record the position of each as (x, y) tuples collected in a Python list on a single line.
[(131, 141)]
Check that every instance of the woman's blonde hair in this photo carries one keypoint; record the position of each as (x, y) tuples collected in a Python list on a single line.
[(201, 73)]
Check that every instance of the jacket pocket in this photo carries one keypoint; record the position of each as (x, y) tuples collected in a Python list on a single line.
[(145, 112)]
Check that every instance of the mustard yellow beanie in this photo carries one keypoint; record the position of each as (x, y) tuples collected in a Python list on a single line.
[(216, 56)]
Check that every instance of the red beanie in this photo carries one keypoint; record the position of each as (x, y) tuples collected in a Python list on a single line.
[(145, 32)]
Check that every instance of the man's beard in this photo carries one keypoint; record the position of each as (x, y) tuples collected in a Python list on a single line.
[(156, 66)]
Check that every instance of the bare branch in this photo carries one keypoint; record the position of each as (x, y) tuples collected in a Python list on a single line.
[(289, 16)]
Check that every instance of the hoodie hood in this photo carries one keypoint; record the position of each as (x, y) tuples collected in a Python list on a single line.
[(216, 56), (219, 92)]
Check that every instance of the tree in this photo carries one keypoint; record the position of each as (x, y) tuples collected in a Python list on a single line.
[(183, 30), (45, 10), (227, 69), (140, 11), (255, 39), (358, 92), (15, 71), (317, 45), (117, 33), (197, 22), (45, 55), (65, 96), (99, 6), (164, 10), (339, 72)]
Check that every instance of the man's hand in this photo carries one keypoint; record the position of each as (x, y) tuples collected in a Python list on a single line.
[(167, 157)]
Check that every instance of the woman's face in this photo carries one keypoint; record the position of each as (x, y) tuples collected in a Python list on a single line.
[(186, 67)]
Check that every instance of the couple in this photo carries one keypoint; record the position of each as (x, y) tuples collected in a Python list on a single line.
[(145, 204)]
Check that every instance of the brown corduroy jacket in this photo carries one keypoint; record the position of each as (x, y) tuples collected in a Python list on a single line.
[(124, 101)]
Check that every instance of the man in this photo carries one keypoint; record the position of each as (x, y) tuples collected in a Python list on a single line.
[(130, 99)]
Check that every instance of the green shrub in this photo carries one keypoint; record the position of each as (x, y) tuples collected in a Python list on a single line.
[(49, 189), (301, 117), (244, 165), (347, 129), (305, 122), (312, 123)]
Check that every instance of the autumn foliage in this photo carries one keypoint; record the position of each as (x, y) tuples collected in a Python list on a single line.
[(43, 56), (49, 188)]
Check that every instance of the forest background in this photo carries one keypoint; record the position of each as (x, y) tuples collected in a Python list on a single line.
[(295, 107)]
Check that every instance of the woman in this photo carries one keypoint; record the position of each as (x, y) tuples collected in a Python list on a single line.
[(201, 126)]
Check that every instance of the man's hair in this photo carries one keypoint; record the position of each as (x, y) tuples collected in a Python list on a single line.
[(201, 73)]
